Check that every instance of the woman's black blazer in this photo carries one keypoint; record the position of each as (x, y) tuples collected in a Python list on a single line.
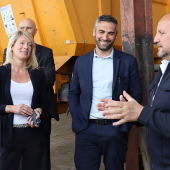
[(39, 99)]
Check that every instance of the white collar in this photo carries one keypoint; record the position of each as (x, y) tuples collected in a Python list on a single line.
[(164, 65)]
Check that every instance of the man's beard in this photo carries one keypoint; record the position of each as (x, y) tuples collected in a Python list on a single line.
[(104, 48), (163, 53)]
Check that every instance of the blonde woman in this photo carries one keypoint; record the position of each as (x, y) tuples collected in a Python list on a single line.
[(22, 89)]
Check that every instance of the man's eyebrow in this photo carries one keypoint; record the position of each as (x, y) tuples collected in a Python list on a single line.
[(101, 30), (108, 32), (112, 31)]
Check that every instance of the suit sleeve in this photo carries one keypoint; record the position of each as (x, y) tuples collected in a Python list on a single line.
[(135, 89), (4, 55), (155, 119), (74, 92), (49, 70), (2, 109)]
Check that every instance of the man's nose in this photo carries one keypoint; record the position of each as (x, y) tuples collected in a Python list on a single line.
[(105, 36), (24, 29), (156, 39)]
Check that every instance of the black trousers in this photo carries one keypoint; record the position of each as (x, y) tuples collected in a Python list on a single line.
[(25, 146), (97, 140), (46, 163)]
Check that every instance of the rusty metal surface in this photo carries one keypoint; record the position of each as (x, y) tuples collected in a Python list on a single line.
[(137, 40), (143, 148), (144, 46), (132, 156)]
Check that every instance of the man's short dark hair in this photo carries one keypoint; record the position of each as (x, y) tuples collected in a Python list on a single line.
[(107, 18)]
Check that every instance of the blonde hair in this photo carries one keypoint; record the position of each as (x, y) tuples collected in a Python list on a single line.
[(31, 61)]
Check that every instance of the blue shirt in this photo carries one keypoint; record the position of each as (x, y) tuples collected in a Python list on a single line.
[(102, 77)]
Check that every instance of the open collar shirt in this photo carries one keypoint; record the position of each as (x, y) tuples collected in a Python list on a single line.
[(102, 78)]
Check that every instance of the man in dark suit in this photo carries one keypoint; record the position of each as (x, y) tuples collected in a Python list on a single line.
[(104, 72), (45, 59), (156, 114)]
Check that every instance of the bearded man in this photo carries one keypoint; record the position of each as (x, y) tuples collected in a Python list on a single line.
[(102, 73)]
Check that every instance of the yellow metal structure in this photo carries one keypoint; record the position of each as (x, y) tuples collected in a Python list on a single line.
[(66, 26)]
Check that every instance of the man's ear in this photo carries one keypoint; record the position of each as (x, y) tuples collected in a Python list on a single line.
[(94, 31), (116, 36), (35, 31)]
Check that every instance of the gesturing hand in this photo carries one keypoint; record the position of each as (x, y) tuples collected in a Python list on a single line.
[(103, 106), (125, 111)]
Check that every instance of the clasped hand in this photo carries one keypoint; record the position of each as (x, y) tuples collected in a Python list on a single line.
[(125, 111), (25, 110)]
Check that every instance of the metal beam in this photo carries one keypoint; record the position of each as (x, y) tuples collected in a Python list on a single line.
[(104, 7), (137, 40)]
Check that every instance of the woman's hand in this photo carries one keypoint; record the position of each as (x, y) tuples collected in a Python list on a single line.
[(30, 122), (38, 111), (21, 109)]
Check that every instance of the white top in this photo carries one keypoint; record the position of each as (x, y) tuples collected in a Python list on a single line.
[(21, 93), (164, 65), (102, 77)]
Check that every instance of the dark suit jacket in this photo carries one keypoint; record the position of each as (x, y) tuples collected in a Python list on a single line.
[(39, 99), (45, 59), (156, 117), (126, 77)]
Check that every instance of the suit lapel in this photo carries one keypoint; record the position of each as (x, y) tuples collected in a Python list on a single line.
[(116, 61), (165, 76), (158, 76), (38, 51), (7, 84), (89, 70), (34, 87)]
